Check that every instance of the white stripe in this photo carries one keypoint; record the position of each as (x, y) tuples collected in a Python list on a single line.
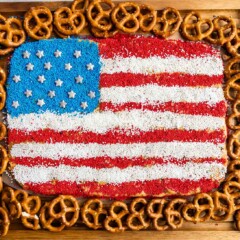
[(174, 149), (191, 171), (208, 65), (101, 122), (154, 94)]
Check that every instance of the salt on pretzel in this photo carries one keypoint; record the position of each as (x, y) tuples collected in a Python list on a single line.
[(233, 120), (30, 221), (147, 18), (232, 89), (38, 22), (232, 67), (233, 146), (234, 166), (222, 33), (200, 209), (223, 206), (138, 212), (93, 213), (3, 76), (49, 222), (64, 204), (167, 23), (173, 212), (155, 211), (11, 32), (233, 46), (118, 211), (68, 22), (5, 222), (98, 14), (3, 159), (79, 5), (232, 189), (125, 17), (192, 27)]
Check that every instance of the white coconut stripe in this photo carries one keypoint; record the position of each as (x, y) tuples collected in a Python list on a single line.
[(153, 94), (191, 171), (174, 149), (208, 65), (101, 122)]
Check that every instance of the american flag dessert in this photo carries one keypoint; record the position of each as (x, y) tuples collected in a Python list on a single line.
[(119, 117)]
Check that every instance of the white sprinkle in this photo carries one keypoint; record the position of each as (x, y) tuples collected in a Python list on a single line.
[(84, 105), (58, 83), (57, 53), (40, 54), (29, 66), (15, 104), (47, 65), (63, 104), (40, 102), (78, 79), (16, 78), (51, 94), (26, 54), (71, 94), (91, 94), (77, 54), (68, 66), (41, 78), (28, 93), (90, 66)]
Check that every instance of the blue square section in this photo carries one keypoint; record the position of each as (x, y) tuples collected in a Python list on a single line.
[(33, 84)]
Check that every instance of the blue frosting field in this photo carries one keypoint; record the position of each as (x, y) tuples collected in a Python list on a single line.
[(29, 79)]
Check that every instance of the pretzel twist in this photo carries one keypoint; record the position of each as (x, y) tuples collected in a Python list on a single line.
[(38, 22), (11, 32), (99, 16), (118, 210), (232, 189), (66, 204), (3, 159), (5, 50), (223, 206), (234, 166), (147, 18), (200, 210), (30, 221), (79, 6), (232, 89), (232, 67), (68, 22), (220, 33), (49, 222), (5, 222), (192, 27), (173, 212), (237, 220), (168, 23), (233, 46), (125, 15), (233, 120), (233, 177), (138, 214), (233, 146), (94, 208), (155, 211), (3, 76)]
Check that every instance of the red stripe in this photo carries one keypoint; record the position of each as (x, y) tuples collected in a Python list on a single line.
[(144, 47), (161, 79), (203, 108), (107, 162), (125, 190), (116, 136)]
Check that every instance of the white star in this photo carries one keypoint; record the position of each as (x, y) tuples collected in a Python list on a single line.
[(84, 105), (28, 93), (40, 102), (71, 94), (91, 94), (58, 83), (68, 66), (29, 67), (57, 53), (78, 79), (26, 54), (90, 66), (40, 54), (63, 104), (47, 65), (41, 78), (77, 54), (16, 78), (15, 104), (51, 94)]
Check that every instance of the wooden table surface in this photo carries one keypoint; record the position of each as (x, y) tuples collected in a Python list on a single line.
[(202, 231)]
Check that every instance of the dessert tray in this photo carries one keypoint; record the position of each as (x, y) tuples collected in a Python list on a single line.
[(199, 215)]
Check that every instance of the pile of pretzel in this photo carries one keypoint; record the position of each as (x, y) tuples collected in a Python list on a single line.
[(104, 19)]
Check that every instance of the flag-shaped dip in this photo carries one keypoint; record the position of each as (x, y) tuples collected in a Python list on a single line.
[(116, 117)]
